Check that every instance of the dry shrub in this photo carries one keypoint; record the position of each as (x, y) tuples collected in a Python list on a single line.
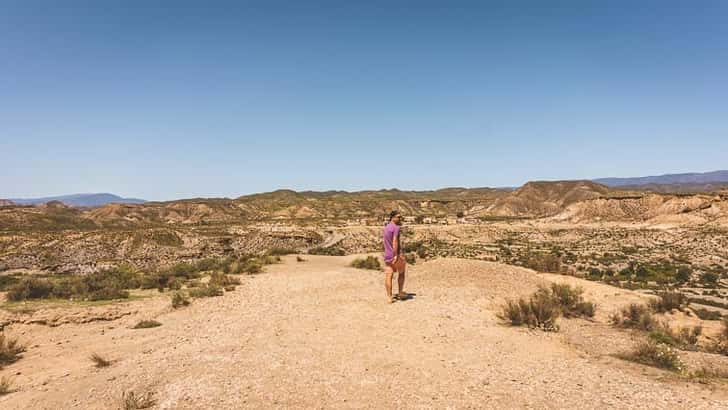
[(542, 308), (543, 262), (206, 291), (146, 324), (720, 344), (132, 401), (179, 299), (370, 262), (281, 251), (539, 311), (655, 354), (330, 251), (99, 361), (6, 385), (10, 350), (572, 301), (635, 316), (685, 338), (668, 301), (707, 314), (222, 280)]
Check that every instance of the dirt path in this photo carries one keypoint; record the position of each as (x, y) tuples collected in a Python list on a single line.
[(318, 334)]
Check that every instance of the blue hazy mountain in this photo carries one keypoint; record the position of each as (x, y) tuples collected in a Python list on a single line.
[(89, 200), (693, 178)]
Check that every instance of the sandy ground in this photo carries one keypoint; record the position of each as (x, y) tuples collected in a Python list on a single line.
[(319, 334)]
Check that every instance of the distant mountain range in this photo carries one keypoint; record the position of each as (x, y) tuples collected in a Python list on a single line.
[(669, 183), (87, 200), (715, 177)]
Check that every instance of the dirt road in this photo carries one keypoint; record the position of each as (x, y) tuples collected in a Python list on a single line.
[(319, 334)]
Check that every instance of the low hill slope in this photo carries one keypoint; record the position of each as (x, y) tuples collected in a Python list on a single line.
[(538, 199)]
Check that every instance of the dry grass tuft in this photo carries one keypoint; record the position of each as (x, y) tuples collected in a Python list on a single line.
[(179, 299), (370, 262), (132, 401), (10, 350), (99, 361), (668, 301), (6, 386), (206, 291), (545, 306), (635, 316), (146, 324)]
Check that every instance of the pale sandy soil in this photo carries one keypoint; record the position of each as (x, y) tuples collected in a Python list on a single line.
[(319, 334)]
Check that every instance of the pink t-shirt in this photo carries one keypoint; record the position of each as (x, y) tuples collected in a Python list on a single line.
[(390, 231)]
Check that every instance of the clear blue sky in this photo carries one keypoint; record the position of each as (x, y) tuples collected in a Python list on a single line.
[(183, 99)]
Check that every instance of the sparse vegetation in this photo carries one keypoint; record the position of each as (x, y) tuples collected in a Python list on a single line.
[(720, 344), (10, 349), (329, 251), (706, 314), (668, 301), (132, 401), (179, 299), (279, 251), (146, 324), (705, 375), (6, 385), (222, 280), (543, 262), (370, 262), (206, 291), (685, 339), (635, 316), (103, 285), (657, 355), (571, 301), (99, 361), (543, 307)]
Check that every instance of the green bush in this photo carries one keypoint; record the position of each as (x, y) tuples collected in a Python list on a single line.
[(657, 355), (179, 299), (206, 291), (370, 262), (686, 338)]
